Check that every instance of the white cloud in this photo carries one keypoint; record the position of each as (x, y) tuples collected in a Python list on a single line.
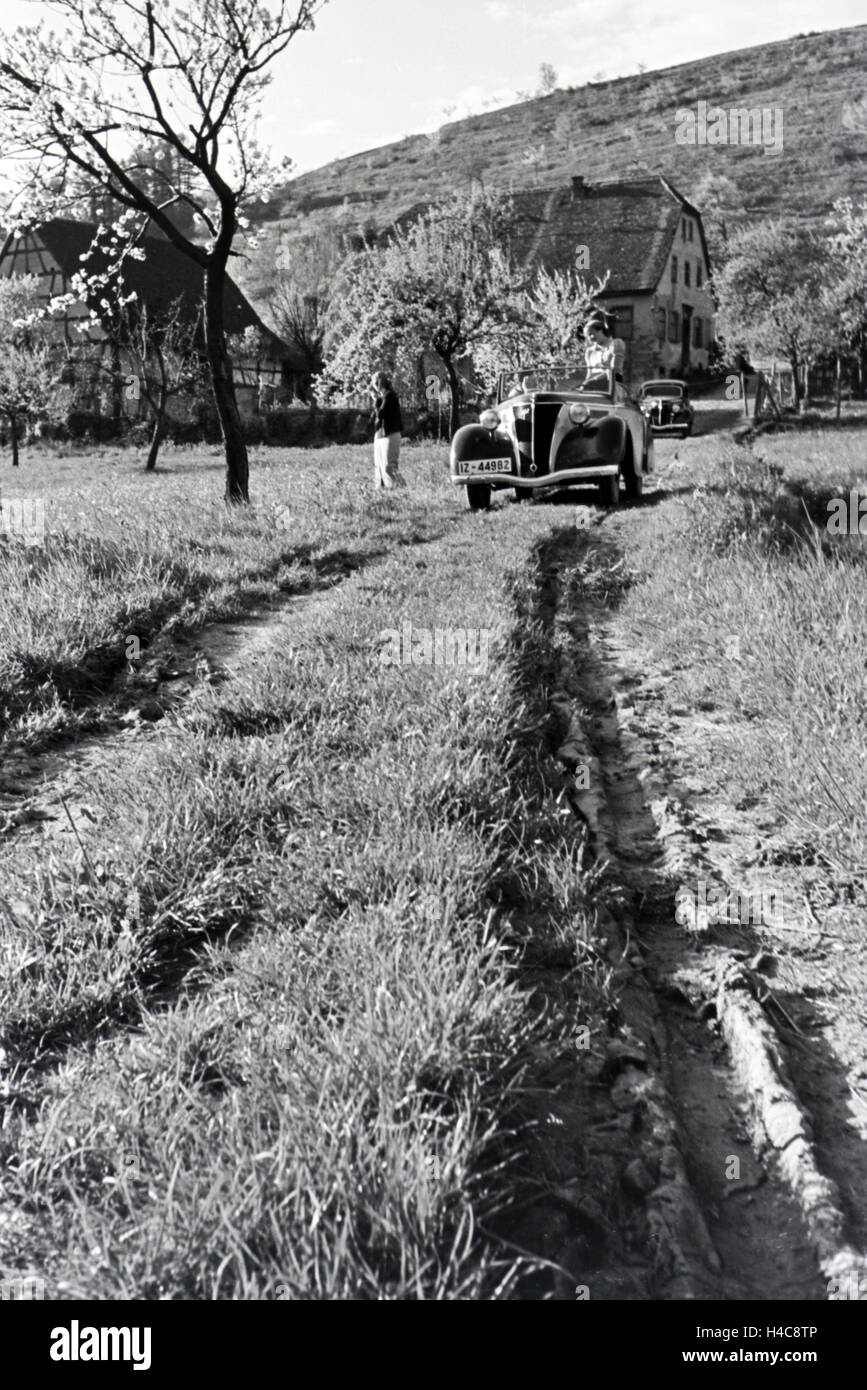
[(566, 14)]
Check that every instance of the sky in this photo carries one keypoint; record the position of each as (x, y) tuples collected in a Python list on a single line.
[(374, 71)]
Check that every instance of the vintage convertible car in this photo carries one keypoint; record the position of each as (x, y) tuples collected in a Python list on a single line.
[(666, 405), (554, 427)]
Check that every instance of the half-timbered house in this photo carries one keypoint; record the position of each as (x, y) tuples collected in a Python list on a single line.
[(266, 370)]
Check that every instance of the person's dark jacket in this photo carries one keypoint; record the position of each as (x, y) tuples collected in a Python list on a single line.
[(386, 415)]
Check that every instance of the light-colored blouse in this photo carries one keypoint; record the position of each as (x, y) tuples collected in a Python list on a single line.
[(605, 357)]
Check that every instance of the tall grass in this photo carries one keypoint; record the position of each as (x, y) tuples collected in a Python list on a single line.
[(129, 555), (758, 613), (270, 1038)]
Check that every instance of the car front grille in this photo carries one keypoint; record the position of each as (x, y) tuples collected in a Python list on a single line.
[(544, 420)]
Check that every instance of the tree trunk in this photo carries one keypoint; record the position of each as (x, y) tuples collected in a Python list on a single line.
[(13, 429), (237, 463), (454, 398), (116, 384), (159, 434), (797, 391), (160, 408)]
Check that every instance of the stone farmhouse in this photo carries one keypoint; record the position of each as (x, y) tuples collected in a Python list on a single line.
[(651, 240), (266, 370)]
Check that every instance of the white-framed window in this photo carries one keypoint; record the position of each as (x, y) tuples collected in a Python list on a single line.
[(674, 270), (699, 275), (686, 274)]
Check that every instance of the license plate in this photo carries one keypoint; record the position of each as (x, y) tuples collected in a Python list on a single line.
[(484, 465)]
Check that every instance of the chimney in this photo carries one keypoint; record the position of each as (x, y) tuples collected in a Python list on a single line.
[(579, 188)]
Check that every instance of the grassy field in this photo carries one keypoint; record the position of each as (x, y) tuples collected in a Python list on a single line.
[(274, 1029), (758, 612), (129, 554), (276, 1046)]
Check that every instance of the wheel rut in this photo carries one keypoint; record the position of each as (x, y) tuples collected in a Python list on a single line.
[(739, 1209)]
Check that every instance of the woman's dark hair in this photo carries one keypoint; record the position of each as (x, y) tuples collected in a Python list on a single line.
[(381, 381)]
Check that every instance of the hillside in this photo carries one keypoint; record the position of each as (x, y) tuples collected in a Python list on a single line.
[(621, 127)]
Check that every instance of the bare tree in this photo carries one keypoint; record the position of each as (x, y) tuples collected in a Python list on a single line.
[(300, 296), (184, 76), (166, 352)]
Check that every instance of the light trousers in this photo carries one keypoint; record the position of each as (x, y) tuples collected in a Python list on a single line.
[(386, 452)]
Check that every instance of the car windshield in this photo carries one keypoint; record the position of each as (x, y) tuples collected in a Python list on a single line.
[(664, 389), (558, 378)]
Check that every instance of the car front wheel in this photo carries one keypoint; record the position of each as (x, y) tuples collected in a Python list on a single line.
[(478, 496), (609, 490), (633, 480), (634, 486)]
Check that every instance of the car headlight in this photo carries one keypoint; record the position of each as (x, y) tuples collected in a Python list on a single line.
[(489, 419), (578, 413)]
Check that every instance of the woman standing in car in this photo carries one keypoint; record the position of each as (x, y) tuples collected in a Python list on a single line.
[(602, 353), (388, 426)]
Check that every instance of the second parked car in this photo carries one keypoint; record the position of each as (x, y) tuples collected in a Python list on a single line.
[(666, 405)]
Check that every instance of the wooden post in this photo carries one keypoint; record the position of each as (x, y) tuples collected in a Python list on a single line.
[(759, 396), (744, 395)]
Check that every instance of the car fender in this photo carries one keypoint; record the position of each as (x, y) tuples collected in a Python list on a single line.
[(642, 442), (476, 442), (610, 438), (600, 439)]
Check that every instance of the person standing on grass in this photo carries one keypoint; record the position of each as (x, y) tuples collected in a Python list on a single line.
[(387, 425)]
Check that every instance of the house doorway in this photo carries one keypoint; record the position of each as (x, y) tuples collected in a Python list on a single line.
[(686, 337)]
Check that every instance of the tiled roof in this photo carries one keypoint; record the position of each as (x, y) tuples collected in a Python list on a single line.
[(627, 226)]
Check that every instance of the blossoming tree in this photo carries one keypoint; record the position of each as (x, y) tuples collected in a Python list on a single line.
[(186, 76), (30, 375)]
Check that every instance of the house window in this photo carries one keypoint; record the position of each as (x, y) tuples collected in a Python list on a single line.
[(659, 324), (696, 333), (673, 326), (674, 270), (699, 275), (623, 321), (689, 224), (686, 279), (683, 229)]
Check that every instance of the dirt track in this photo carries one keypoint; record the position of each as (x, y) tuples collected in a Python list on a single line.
[(722, 1149), (728, 1158)]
